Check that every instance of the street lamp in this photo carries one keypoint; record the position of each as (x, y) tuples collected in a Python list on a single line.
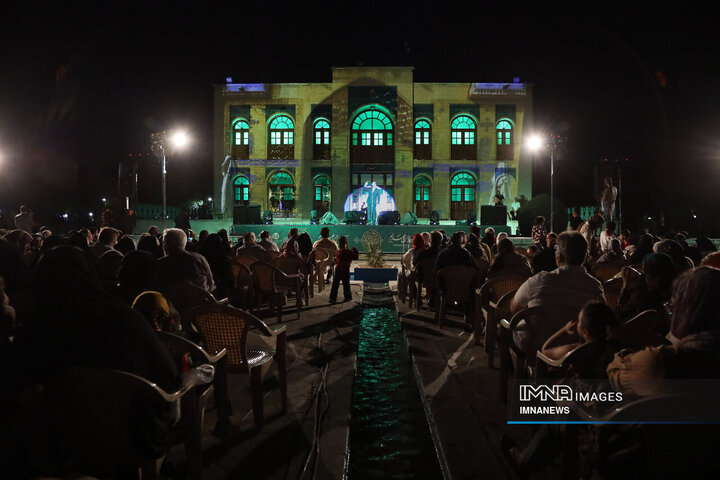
[(159, 141), (551, 142)]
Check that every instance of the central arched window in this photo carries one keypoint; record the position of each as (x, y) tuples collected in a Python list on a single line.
[(504, 131), (423, 139), (372, 136), (463, 131), (462, 195), (281, 130), (321, 139), (281, 190), (241, 139), (241, 190)]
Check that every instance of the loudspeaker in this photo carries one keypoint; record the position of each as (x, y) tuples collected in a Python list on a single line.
[(493, 215), (246, 215), (409, 219), (127, 187), (388, 218), (352, 217)]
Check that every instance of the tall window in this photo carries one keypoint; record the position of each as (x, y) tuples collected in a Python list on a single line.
[(321, 140), (241, 190), (281, 130), (463, 130), (504, 131), (384, 180), (321, 201), (462, 195), (281, 191), (423, 139), (241, 139), (372, 136), (423, 204)]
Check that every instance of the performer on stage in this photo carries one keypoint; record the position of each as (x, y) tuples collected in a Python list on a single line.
[(373, 200), (607, 201)]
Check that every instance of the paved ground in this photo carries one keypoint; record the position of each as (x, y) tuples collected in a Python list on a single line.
[(310, 441)]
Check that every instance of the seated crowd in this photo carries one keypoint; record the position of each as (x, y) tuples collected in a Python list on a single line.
[(92, 298)]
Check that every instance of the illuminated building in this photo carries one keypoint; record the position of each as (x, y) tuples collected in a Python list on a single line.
[(297, 147)]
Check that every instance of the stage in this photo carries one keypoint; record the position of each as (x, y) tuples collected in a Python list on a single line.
[(394, 238)]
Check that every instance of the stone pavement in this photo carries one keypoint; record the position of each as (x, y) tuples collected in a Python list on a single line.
[(310, 440)]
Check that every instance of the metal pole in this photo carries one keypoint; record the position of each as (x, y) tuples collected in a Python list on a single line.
[(620, 199), (552, 181), (164, 187)]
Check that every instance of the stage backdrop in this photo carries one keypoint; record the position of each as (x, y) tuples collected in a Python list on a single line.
[(395, 238)]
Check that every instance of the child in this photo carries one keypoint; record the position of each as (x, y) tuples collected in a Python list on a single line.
[(343, 259)]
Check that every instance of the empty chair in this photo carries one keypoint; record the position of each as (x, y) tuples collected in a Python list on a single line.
[(228, 327), (500, 310), (456, 283), (294, 265), (184, 297)]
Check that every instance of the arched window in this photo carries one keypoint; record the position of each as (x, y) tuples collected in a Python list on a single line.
[(281, 130), (504, 130), (321, 201), (281, 191), (423, 202), (463, 130), (462, 195), (241, 190), (423, 139), (372, 136), (321, 139), (240, 139)]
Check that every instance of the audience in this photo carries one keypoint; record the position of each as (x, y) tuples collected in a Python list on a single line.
[(455, 254), (251, 248), (107, 239), (538, 232), (214, 252), (650, 290), (507, 261), (267, 243), (180, 266), (544, 260), (343, 260)]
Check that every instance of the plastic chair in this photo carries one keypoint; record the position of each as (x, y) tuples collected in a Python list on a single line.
[(292, 266), (425, 276), (488, 295), (184, 297), (501, 310), (487, 250), (605, 271), (99, 421), (272, 283), (456, 283), (612, 290), (227, 328), (242, 292), (539, 323)]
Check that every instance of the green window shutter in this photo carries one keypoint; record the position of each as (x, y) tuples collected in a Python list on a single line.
[(417, 194)]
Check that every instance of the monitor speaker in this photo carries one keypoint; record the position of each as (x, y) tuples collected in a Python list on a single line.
[(493, 215), (389, 218)]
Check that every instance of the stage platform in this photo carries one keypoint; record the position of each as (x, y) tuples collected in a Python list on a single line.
[(394, 238)]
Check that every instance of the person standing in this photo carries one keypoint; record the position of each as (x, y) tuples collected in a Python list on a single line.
[(343, 260), (24, 220), (607, 201)]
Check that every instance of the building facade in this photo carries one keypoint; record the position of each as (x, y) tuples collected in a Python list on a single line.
[(296, 147)]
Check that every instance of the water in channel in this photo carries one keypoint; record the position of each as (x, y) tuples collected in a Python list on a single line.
[(389, 433)]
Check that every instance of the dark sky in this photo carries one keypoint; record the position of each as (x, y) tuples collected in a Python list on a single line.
[(82, 86)]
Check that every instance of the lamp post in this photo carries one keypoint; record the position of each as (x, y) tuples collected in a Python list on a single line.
[(159, 142), (551, 142)]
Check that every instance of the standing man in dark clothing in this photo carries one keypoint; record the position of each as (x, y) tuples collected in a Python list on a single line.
[(343, 260)]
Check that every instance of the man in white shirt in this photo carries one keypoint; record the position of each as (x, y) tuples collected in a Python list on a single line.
[(606, 238), (568, 285)]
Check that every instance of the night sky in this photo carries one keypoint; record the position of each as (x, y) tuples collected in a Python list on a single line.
[(82, 87)]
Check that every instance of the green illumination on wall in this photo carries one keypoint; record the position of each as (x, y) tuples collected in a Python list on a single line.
[(504, 132), (241, 188)]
